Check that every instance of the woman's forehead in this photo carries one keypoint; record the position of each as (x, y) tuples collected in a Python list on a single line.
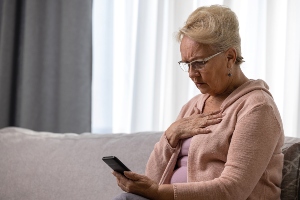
[(189, 48)]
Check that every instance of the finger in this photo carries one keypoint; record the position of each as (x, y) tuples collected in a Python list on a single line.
[(122, 186), (218, 112), (120, 177), (116, 174), (210, 120), (202, 131), (215, 116), (213, 113), (213, 121), (121, 180), (203, 123), (132, 176)]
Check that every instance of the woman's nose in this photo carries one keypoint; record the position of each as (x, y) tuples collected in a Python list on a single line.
[(193, 72)]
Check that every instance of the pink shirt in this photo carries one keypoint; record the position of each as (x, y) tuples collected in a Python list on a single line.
[(180, 172)]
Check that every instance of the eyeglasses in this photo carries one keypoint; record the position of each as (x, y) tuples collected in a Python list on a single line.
[(196, 64)]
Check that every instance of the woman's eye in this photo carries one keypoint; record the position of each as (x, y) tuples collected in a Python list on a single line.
[(198, 64)]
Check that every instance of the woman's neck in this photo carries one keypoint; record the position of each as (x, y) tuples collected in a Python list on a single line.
[(214, 102), (235, 81)]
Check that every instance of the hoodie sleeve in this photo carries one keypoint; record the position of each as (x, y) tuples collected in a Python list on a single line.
[(163, 158), (162, 161)]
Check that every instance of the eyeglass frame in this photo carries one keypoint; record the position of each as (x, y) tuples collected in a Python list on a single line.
[(202, 61)]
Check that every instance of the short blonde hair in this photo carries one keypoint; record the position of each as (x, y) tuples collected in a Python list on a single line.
[(216, 26)]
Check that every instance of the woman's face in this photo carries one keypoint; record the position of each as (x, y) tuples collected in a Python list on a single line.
[(213, 78)]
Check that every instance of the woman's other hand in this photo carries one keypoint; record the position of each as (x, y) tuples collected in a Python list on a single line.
[(190, 126), (143, 186), (137, 184)]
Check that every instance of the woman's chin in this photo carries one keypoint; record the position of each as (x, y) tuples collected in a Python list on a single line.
[(202, 88)]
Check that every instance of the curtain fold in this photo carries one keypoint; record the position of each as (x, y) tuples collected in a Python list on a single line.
[(10, 21), (46, 64)]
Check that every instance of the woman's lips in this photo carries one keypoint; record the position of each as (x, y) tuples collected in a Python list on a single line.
[(198, 84)]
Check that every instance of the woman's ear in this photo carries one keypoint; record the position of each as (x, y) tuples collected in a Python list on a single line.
[(231, 57)]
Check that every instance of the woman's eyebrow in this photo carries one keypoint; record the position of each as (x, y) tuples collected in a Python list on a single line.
[(194, 59)]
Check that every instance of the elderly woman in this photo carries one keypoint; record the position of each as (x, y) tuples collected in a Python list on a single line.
[(226, 142)]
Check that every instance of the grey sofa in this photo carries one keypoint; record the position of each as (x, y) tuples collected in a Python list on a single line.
[(51, 166)]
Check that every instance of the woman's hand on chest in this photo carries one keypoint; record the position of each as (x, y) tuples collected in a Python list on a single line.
[(193, 125)]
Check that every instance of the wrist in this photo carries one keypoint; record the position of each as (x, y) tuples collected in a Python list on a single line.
[(171, 137), (165, 191)]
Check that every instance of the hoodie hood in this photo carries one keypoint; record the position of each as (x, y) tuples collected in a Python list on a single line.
[(247, 87)]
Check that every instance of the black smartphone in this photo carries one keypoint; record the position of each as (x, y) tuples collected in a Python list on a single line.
[(115, 164)]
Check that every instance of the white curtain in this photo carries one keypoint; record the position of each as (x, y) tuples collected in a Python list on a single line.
[(137, 84)]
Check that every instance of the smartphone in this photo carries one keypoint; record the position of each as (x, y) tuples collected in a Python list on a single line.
[(115, 164)]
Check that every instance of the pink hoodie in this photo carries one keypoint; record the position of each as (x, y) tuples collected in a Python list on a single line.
[(240, 159)]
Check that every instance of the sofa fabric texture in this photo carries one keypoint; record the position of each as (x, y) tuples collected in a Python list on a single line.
[(51, 166)]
